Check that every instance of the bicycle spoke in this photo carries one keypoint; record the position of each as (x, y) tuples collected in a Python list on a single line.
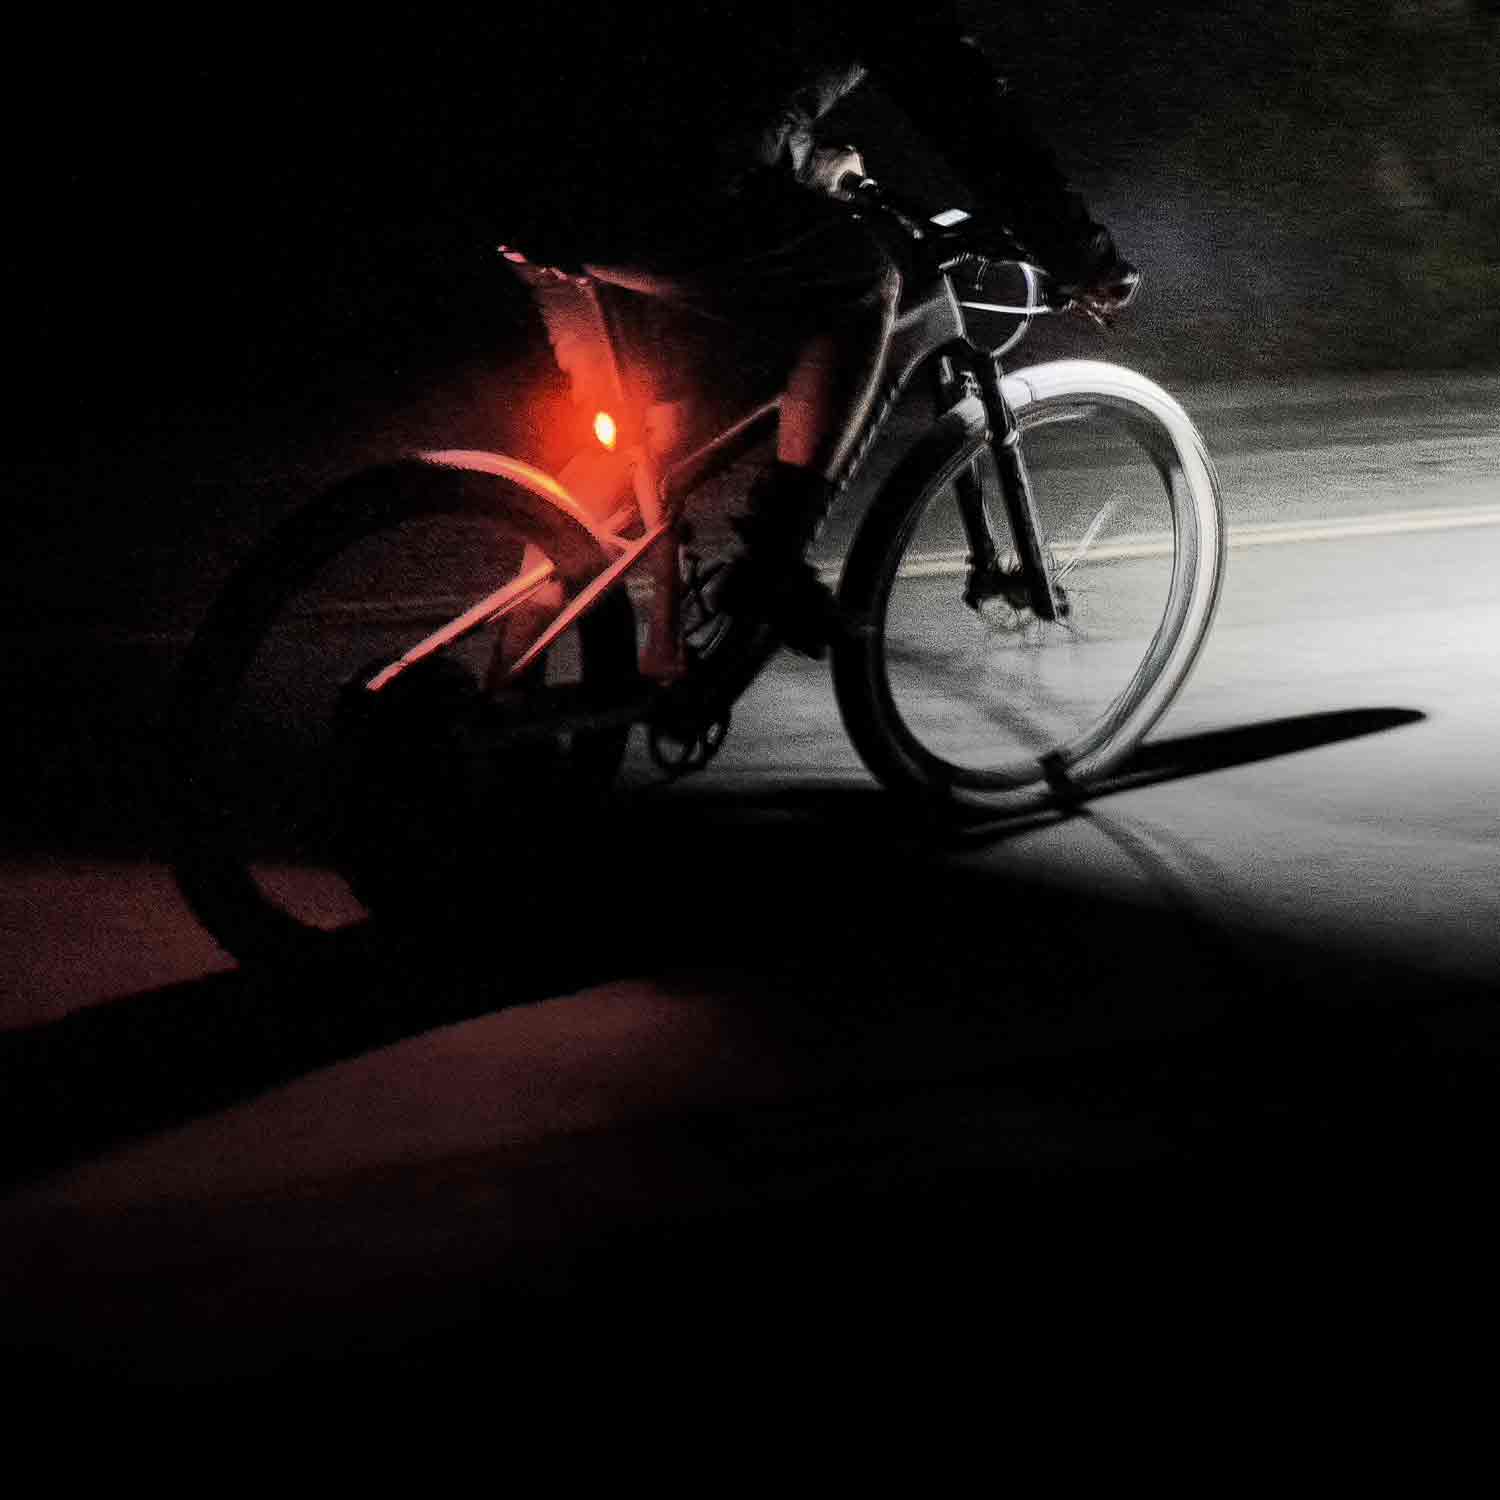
[(1081, 550)]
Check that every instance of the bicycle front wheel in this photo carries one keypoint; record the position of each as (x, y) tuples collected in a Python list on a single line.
[(303, 802), (990, 705)]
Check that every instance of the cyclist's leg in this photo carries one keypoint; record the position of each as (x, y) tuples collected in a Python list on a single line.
[(827, 288), (836, 372), (807, 275)]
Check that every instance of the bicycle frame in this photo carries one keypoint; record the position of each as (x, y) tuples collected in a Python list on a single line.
[(924, 676), (930, 333)]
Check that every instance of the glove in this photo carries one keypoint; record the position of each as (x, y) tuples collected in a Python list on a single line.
[(1107, 294), (1099, 281)]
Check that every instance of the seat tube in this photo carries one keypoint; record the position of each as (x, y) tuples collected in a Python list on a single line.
[(1015, 487), (663, 657)]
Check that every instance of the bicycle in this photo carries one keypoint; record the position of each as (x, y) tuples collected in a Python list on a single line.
[(1029, 588)]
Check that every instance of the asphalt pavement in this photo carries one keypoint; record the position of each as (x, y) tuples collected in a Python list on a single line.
[(780, 1054)]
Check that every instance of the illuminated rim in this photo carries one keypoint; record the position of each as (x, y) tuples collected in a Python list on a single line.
[(1156, 421)]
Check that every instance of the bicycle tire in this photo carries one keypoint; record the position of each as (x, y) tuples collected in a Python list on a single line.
[(214, 859), (930, 709)]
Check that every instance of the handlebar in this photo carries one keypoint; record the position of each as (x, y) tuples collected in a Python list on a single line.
[(946, 233)]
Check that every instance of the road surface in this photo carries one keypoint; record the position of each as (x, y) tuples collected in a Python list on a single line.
[(784, 1041)]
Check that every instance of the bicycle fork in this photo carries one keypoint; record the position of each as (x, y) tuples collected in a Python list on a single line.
[(1030, 583)]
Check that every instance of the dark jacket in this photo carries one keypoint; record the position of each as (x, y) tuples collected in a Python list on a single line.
[(621, 117)]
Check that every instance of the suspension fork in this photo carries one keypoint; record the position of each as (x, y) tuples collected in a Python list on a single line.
[(1015, 490)]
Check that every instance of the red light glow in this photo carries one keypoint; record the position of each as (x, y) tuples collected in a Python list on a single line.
[(605, 430)]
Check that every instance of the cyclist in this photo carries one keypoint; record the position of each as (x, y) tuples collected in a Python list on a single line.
[(679, 142)]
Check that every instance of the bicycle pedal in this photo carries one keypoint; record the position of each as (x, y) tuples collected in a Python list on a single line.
[(680, 752), (665, 662)]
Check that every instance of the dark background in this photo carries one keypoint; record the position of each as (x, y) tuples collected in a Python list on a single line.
[(247, 250), (249, 206)]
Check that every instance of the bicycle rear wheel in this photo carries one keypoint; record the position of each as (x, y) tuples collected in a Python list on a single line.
[(993, 705), (303, 803)]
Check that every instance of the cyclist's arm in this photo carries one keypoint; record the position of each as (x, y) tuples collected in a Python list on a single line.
[(828, 167), (956, 96)]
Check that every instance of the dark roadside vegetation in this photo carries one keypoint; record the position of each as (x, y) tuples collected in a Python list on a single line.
[(247, 268)]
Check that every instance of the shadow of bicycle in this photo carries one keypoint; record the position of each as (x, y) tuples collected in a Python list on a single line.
[(940, 1044), (1178, 757), (820, 899), (1157, 762)]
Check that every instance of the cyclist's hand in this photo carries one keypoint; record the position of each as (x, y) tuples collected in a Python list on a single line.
[(1106, 295), (829, 165)]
